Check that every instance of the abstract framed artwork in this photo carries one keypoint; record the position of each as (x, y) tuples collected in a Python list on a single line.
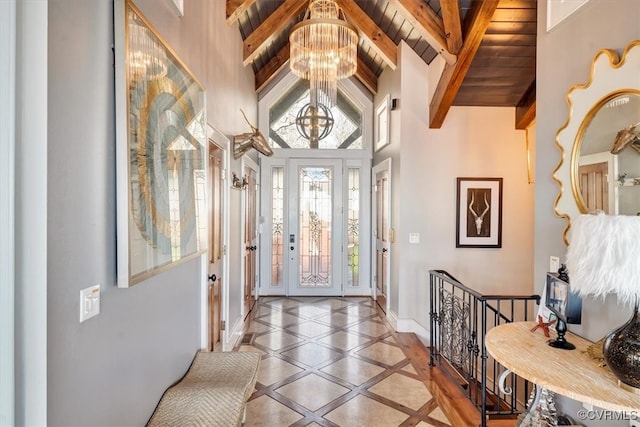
[(381, 134), (479, 213), (161, 152)]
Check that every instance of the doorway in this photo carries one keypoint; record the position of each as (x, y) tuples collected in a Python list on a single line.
[(382, 232), (314, 228), (250, 234)]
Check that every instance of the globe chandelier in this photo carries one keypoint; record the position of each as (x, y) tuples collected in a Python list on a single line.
[(314, 123), (323, 50)]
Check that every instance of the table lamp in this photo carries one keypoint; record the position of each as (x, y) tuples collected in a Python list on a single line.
[(603, 258)]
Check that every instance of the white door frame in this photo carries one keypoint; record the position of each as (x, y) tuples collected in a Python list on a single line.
[(384, 165), (224, 144), (7, 203)]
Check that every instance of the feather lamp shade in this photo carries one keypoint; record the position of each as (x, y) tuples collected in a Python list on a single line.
[(602, 259), (604, 256)]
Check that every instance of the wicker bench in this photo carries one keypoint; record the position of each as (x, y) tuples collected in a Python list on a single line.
[(213, 392)]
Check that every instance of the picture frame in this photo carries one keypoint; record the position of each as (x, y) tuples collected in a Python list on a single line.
[(558, 11), (382, 124), (479, 213), (161, 152)]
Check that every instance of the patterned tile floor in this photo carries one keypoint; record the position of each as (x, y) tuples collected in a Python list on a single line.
[(329, 361)]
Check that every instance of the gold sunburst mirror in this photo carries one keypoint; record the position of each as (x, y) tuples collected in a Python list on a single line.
[(599, 168)]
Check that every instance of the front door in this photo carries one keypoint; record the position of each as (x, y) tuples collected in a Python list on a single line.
[(315, 227)]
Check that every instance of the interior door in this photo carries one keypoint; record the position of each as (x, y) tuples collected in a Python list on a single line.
[(315, 227), (594, 186), (250, 238), (216, 244), (382, 233)]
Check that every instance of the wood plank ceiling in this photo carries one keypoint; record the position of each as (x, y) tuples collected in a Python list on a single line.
[(489, 46)]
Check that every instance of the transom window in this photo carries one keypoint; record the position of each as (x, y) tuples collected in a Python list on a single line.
[(283, 133)]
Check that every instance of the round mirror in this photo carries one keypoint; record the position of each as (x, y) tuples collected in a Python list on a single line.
[(604, 113), (605, 159)]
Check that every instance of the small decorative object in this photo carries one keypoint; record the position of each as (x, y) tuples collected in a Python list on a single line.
[(479, 213), (626, 136), (563, 274), (544, 325), (594, 351), (246, 141), (237, 183), (602, 259), (565, 304)]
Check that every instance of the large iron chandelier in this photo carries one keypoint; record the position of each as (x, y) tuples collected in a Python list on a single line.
[(314, 123), (323, 50)]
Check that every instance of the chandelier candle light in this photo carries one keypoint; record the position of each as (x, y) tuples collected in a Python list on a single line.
[(323, 50), (603, 258)]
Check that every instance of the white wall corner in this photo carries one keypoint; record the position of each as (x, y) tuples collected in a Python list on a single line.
[(233, 335)]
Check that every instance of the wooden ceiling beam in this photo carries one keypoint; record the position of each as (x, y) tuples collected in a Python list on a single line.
[(270, 28), (453, 75), (235, 8), (369, 30), (271, 69), (452, 24), (428, 23), (367, 77), (526, 108)]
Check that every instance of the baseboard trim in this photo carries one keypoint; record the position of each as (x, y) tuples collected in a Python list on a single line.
[(233, 335), (410, 325)]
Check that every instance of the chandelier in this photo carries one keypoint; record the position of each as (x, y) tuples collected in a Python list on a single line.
[(323, 50), (314, 123)]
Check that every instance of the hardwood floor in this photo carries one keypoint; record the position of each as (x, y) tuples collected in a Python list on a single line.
[(337, 362)]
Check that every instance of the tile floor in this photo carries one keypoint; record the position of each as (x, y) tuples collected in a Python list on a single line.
[(330, 361)]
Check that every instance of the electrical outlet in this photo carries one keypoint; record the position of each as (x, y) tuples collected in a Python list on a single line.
[(554, 264)]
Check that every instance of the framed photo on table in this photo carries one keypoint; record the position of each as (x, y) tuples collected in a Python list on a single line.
[(479, 213), (161, 152)]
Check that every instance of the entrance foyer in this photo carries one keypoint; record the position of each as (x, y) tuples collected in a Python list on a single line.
[(333, 362)]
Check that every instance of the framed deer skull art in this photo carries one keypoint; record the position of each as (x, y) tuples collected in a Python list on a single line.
[(479, 213)]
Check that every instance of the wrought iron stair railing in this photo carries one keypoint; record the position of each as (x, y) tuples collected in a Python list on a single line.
[(459, 320)]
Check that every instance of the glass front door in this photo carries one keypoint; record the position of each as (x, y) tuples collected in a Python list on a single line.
[(315, 227)]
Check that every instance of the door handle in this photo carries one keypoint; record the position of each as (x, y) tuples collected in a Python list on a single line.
[(292, 248), (385, 250), (213, 278)]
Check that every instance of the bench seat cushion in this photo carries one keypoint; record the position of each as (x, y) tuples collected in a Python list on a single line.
[(213, 392)]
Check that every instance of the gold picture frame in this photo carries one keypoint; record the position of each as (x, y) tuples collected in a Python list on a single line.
[(161, 152)]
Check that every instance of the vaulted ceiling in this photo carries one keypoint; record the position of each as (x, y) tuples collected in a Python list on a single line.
[(489, 46)]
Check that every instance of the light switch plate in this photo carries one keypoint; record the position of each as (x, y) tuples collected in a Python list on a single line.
[(414, 238), (89, 302), (554, 264)]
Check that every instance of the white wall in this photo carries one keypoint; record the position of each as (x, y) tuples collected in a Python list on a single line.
[(564, 57), (112, 369), (473, 142)]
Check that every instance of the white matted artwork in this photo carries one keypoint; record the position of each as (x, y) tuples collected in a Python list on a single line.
[(381, 134), (479, 213), (559, 10)]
